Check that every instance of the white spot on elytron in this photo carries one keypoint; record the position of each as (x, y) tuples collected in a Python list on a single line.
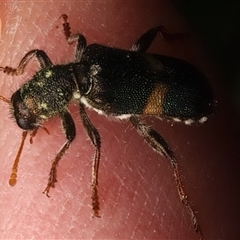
[(177, 120), (189, 122), (203, 119), (85, 102), (48, 74), (124, 116)]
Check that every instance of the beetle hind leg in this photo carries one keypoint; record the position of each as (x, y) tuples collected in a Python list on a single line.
[(158, 144)]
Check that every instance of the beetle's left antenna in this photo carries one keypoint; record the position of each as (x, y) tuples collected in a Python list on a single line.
[(13, 176)]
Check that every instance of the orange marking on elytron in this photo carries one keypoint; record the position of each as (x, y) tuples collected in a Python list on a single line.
[(155, 100)]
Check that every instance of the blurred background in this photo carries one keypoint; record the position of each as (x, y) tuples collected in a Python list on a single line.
[(217, 25)]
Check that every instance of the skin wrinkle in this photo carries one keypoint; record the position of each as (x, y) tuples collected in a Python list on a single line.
[(0, 28), (36, 159)]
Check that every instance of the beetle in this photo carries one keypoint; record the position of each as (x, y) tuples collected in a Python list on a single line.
[(113, 82)]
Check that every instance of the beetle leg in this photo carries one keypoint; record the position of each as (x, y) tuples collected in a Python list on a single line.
[(158, 144), (144, 42), (96, 141), (41, 56), (70, 132), (79, 38), (154, 139)]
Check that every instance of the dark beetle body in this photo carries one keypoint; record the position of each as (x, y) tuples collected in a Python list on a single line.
[(119, 82), (127, 79)]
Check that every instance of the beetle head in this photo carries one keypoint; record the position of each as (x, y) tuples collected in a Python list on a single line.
[(24, 118)]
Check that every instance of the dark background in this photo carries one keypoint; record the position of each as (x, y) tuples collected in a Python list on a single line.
[(217, 25)]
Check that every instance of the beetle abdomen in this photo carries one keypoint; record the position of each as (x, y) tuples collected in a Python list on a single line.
[(188, 95), (129, 82)]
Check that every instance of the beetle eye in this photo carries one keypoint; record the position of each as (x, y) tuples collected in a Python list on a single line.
[(24, 118)]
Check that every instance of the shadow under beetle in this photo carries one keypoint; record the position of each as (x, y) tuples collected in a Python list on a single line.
[(113, 82)]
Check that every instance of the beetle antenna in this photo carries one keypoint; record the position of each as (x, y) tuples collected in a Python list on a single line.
[(5, 99), (13, 176)]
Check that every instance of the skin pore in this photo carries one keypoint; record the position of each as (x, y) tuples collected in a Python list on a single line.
[(138, 195)]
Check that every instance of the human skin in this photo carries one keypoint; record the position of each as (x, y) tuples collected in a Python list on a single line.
[(138, 195)]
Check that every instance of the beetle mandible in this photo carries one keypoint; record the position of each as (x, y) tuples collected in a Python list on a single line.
[(113, 82)]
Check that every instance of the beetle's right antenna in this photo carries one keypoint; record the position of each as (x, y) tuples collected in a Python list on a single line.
[(5, 99)]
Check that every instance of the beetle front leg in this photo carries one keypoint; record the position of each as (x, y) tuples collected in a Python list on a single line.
[(71, 38), (41, 56), (70, 132), (158, 144), (96, 141)]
